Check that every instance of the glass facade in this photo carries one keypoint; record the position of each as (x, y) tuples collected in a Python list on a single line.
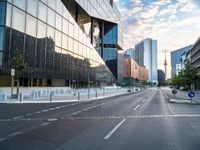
[(176, 58), (53, 43)]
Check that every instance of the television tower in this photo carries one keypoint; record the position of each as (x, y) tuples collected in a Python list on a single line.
[(165, 64)]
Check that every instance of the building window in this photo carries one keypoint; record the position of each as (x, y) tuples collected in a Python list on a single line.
[(58, 38), (41, 31), (65, 26), (58, 22), (59, 7), (1, 38), (51, 17), (32, 7), (1, 58), (64, 41), (45, 1), (52, 4), (8, 15), (20, 3), (18, 15), (31, 26), (42, 14), (2, 13)]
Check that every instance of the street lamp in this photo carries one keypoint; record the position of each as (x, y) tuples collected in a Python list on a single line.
[(12, 81), (88, 86)]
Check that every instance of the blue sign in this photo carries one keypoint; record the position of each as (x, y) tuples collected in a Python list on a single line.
[(191, 94)]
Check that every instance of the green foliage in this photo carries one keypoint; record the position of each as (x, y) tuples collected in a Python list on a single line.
[(187, 76), (144, 83), (17, 63)]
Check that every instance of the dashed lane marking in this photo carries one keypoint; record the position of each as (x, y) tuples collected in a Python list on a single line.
[(114, 130), (15, 134), (45, 124), (136, 107), (18, 117), (52, 119), (144, 100)]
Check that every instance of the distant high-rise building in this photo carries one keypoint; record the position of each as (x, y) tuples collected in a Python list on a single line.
[(120, 67), (130, 52), (165, 64), (161, 77), (146, 55), (176, 58)]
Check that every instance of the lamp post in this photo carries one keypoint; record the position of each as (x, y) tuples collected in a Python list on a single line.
[(88, 86), (12, 81)]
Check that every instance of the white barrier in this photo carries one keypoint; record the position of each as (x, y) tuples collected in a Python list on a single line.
[(3, 97)]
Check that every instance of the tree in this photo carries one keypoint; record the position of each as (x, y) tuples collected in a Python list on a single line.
[(144, 83), (17, 63), (187, 76)]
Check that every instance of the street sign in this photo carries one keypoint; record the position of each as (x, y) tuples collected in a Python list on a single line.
[(12, 72), (191, 94), (174, 91)]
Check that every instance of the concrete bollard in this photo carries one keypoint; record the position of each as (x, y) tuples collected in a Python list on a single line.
[(36, 95), (3, 97), (20, 97), (44, 93), (39, 93)]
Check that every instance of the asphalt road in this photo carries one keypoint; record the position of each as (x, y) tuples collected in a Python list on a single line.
[(141, 121)]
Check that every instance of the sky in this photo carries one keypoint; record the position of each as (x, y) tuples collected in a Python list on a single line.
[(173, 23)]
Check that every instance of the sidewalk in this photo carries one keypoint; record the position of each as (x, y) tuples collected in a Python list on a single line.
[(181, 97)]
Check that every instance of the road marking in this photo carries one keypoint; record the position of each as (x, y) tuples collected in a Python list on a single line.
[(29, 114), (15, 134), (114, 129), (51, 109), (18, 117), (45, 124), (136, 107), (52, 119), (45, 110), (2, 139), (38, 112), (144, 100)]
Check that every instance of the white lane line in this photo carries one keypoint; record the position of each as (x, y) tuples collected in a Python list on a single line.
[(136, 107), (2, 139), (18, 117), (144, 100), (38, 112), (45, 110), (29, 114), (44, 124), (114, 130), (15, 134)]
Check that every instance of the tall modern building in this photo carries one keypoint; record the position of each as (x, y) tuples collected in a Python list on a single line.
[(62, 41), (195, 58), (130, 52), (161, 77), (176, 59), (120, 67), (146, 55)]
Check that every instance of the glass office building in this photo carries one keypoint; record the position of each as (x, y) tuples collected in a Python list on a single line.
[(62, 41), (146, 55), (176, 58)]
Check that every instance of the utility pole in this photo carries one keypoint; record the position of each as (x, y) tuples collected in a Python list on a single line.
[(165, 64)]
